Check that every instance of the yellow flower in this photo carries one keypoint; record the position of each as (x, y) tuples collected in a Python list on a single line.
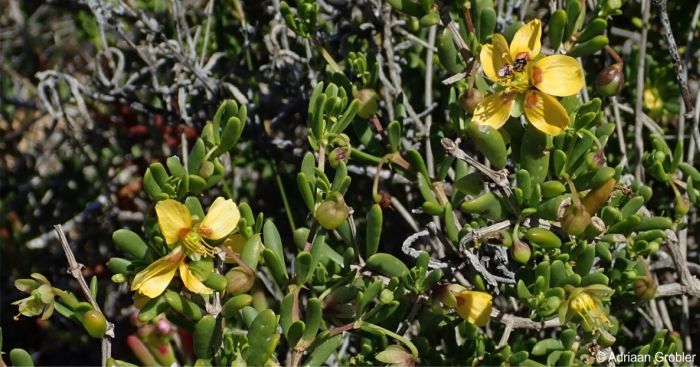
[(185, 238), (524, 76), (474, 306), (586, 304)]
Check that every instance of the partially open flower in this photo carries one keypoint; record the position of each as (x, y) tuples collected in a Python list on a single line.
[(586, 304), (41, 297), (472, 306)]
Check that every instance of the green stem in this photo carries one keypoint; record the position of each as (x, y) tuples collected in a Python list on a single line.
[(378, 330)]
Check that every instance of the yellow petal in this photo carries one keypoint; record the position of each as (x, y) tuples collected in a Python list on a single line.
[(474, 307), (500, 56), (221, 219), (174, 220), (191, 281), (557, 75), (153, 280), (545, 113), (494, 110), (486, 59), (527, 41)]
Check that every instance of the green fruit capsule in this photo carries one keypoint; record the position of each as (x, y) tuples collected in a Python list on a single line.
[(543, 238), (95, 324), (589, 47), (387, 265), (490, 143), (557, 26), (332, 213), (204, 335)]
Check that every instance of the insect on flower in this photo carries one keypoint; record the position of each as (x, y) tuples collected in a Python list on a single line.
[(524, 76), (186, 238)]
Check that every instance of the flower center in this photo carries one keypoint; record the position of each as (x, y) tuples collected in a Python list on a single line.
[(194, 243), (593, 317)]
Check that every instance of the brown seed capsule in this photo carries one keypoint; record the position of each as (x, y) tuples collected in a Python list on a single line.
[(470, 99), (239, 281), (610, 80)]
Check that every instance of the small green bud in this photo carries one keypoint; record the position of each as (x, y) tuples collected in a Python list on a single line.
[(337, 155), (206, 169), (521, 251), (681, 205), (118, 278), (386, 296)]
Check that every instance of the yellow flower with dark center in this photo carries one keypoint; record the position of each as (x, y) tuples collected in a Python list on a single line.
[(524, 76), (186, 238)]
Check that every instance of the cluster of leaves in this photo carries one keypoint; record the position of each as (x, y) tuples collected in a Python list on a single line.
[(518, 246)]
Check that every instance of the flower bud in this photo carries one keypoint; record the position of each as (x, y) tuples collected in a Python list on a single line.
[(681, 205), (368, 102), (206, 169), (470, 99), (95, 324), (239, 281), (337, 155), (521, 251), (119, 278), (332, 213), (610, 80)]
